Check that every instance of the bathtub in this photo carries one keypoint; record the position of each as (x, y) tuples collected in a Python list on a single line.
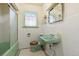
[(12, 51), (4, 47)]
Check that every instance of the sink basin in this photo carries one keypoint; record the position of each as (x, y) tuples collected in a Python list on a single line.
[(50, 39)]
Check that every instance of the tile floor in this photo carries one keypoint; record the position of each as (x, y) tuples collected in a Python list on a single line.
[(27, 52)]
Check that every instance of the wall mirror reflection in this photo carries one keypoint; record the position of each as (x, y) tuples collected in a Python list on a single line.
[(55, 13)]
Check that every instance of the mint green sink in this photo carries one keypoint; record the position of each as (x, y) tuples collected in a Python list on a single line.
[(50, 39)]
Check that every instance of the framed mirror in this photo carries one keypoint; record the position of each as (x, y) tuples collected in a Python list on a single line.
[(55, 13)]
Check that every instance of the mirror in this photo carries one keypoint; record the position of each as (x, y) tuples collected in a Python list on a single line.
[(55, 13)]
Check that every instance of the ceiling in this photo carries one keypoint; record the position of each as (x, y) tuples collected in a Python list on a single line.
[(39, 4)]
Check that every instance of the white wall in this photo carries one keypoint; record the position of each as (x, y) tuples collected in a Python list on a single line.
[(24, 41), (68, 28), (71, 30)]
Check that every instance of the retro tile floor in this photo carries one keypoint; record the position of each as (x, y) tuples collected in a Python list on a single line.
[(27, 52)]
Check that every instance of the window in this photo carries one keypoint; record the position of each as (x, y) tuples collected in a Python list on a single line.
[(51, 19), (30, 19)]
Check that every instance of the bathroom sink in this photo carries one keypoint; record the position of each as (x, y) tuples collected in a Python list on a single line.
[(50, 39)]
